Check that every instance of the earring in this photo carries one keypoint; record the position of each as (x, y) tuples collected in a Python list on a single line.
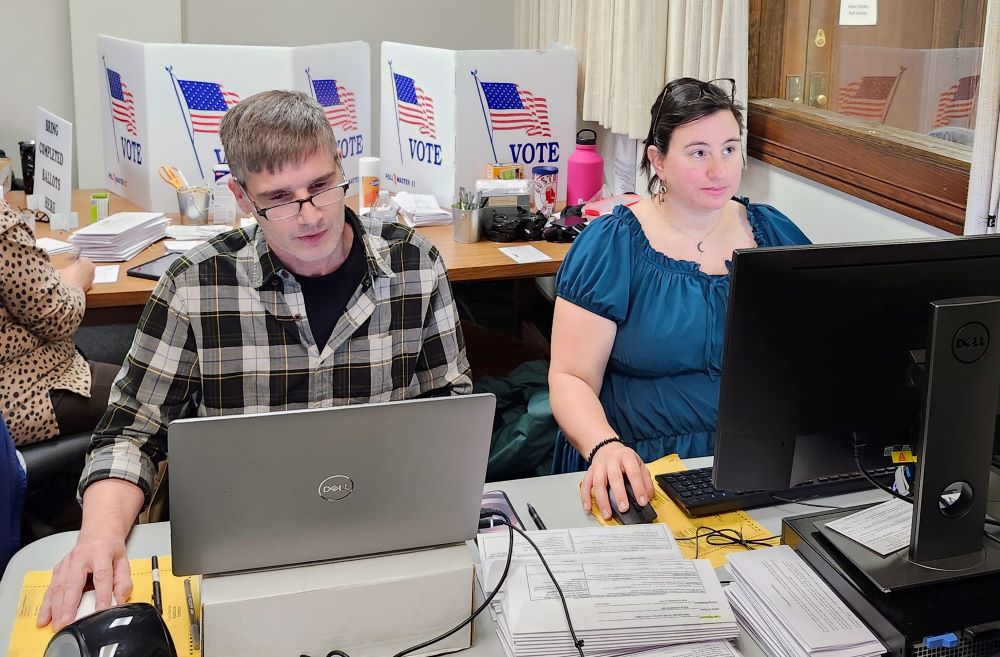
[(661, 193)]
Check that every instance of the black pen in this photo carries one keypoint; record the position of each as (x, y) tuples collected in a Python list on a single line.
[(157, 599), (192, 616), (534, 516)]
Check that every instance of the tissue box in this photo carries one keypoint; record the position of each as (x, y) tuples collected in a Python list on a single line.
[(368, 607), (505, 195)]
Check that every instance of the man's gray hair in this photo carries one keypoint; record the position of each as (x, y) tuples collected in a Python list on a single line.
[(271, 129)]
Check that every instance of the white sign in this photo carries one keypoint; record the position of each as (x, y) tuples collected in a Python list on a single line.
[(53, 162), (163, 104), (859, 12)]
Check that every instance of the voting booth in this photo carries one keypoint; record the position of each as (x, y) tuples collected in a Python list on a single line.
[(163, 104), (446, 114)]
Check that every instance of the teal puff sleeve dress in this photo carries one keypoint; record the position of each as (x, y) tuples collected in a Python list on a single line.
[(661, 386)]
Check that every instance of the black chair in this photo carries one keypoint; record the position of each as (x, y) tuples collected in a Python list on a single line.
[(53, 468)]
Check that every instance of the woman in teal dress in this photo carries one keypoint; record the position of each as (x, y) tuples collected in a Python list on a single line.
[(641, 300)]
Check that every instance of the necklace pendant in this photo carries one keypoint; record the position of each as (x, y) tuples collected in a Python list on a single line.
[(700, 250)]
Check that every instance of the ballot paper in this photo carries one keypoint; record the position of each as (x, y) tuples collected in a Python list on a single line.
[(53, 246), (105, 274), (883, 528), (524, 254), (120, 236), (790, 611), (622, 543), (421, 210), (628, 590), (181, 246)]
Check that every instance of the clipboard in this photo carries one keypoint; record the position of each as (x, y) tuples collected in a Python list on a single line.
[(154, 268)]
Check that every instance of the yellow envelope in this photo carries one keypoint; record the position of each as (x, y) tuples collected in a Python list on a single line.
[(27, 640), (685, 529)]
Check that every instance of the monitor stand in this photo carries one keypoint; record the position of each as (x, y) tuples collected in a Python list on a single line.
[(956, 445)]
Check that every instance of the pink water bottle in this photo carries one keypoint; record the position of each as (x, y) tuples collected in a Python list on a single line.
[(584, 169)]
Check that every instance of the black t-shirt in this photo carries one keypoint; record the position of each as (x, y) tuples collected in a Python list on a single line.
[(326, 296)]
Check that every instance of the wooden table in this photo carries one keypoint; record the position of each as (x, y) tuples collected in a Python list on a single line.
[(123, 300)]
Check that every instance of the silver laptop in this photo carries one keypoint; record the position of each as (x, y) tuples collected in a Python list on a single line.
[(273, 489)]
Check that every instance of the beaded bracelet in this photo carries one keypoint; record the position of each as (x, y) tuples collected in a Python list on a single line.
[(606, 441)]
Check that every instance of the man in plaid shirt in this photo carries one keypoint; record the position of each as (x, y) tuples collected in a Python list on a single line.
[(311, 308)]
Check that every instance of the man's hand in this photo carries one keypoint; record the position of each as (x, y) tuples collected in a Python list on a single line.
[(610, 466), (105, 560), (109, 509)]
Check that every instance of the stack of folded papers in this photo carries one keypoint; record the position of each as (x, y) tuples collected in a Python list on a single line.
[(421, 210), (790, 611), (120, 236), (53, 246), (628, 590)]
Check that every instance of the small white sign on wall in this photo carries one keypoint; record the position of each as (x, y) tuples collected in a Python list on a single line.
[(859, 12), (53, 162)]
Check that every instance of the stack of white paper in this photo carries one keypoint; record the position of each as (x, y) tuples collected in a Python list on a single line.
[(421, 210), (53, 246), (628, 590), (790, 611), (120, 236)]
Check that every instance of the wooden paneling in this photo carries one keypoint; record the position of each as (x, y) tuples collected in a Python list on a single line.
[(889, 167), (767, 22)]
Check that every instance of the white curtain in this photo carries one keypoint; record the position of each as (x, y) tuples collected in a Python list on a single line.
[(628, 49), (984, 179)]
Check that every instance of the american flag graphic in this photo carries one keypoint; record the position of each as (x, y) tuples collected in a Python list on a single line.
[(957, 101), (337, 102), (868, 97), (415, 107), (122, 105), (513, 108), (207, 103)]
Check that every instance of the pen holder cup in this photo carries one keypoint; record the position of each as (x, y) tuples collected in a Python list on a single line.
[(465, 224), (193, 203)]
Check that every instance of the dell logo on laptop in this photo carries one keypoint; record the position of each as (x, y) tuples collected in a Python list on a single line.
[(970, 342), (336, 487)]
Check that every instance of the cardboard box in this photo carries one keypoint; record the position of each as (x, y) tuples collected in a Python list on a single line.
[(445, 114), (368, 607), (162, 104)]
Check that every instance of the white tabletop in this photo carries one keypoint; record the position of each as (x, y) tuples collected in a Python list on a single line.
[(556, 499)]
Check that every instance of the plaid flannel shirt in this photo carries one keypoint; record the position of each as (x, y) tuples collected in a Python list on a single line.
[(225, 332)]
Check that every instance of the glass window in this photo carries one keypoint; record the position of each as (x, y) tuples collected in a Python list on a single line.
[(909, 64)]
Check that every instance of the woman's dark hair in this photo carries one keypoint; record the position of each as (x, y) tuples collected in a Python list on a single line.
[(682, 101)]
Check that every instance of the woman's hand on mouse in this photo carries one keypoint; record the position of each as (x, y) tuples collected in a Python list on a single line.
[(611, 464)]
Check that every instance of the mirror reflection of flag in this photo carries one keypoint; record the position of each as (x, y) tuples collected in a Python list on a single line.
[(338, 104), (957, 101), (869, 97), (514, 108), (122, 102), (415, 107), (207, 103)]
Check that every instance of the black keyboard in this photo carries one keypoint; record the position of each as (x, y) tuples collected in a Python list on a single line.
[(693, 492)]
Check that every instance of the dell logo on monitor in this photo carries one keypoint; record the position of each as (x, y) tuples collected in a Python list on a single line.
[(336, 487), (970, 342)]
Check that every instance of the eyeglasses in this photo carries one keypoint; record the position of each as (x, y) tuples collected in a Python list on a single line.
[(39, 215), (282, 211), (681, 92)]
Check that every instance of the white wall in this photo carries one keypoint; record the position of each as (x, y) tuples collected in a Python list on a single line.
[(453, 24), (37, 68), (826, 215)]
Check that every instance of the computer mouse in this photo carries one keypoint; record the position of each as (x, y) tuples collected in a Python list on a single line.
[(88, 604), (636, 514)]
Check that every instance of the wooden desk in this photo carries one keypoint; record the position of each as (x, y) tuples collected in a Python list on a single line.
[(123, 300)]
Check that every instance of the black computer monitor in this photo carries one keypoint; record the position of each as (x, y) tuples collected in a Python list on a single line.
[(822, 352)]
